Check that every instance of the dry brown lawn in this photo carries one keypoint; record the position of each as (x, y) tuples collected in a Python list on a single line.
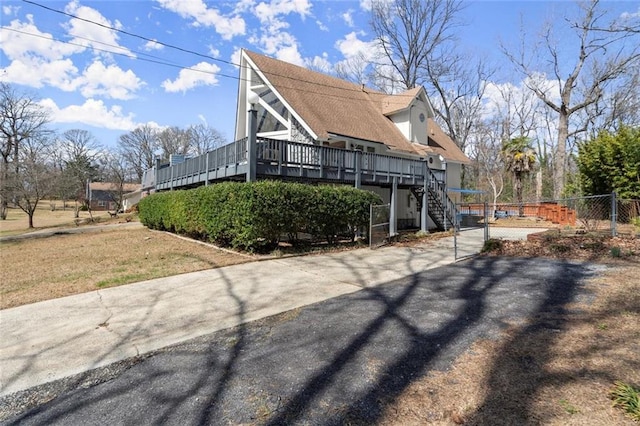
[(540, 375), (33, 270), (17, 221)]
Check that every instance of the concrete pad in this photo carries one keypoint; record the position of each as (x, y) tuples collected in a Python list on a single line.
[(50, 340)]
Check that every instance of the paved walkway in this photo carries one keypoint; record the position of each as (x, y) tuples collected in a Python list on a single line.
[(53, 339)]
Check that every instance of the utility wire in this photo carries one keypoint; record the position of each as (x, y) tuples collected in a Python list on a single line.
[(159, 61), (189, 51)]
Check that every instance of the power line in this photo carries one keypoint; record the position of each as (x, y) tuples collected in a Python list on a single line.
[(181, 67), (130, 56), (184, 50)]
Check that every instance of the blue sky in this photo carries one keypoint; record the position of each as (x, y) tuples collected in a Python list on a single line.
[(50, 54)]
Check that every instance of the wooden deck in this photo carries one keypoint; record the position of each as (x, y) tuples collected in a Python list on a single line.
[(278, 159)]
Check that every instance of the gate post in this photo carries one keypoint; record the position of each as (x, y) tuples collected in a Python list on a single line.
[(393, 220), (614, 214), (424, 211)]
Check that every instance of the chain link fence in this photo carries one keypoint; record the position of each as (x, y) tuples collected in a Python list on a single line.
[(471, 229), (595, 215), (379, 218)]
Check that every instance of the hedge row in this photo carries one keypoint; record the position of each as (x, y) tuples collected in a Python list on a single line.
[(256, 215)]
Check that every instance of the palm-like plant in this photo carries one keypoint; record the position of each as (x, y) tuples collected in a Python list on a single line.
[(519, 159)]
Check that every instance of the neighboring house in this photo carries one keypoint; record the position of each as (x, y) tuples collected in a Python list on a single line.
[(131, 199), (301, 105), (102, 196)]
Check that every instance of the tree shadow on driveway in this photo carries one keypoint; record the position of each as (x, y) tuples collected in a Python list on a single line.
[(334, 362)]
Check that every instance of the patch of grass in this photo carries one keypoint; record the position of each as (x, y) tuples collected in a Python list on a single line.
[(559, 248), (121, 279), (616, 252), (627, 398), (492, 245), (568, 407), (602, 326)]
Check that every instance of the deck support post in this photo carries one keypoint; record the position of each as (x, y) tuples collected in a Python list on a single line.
[(393, 217), (252, 161), (358, 169), (424, 211)]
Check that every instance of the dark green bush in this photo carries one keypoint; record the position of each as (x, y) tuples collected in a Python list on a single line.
[(253, 216)]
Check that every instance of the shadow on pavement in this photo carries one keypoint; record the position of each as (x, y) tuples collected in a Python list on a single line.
[(334, 362)]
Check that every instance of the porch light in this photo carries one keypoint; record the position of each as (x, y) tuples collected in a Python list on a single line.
[(253, 98)]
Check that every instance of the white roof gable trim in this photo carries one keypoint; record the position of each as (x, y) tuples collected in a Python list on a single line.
[(264, 78)]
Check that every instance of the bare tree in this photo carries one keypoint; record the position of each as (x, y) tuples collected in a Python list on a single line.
[(81, 153), (139, 148), (204, 138), (411, 31), (174, 140), (22, 118), (33, 177), (602, 52), (418, 41), (116, 172)]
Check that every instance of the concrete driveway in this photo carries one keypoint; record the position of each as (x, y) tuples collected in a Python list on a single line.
[(329, 362)]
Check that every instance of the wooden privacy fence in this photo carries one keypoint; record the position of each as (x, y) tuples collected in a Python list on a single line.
[(551, 211)]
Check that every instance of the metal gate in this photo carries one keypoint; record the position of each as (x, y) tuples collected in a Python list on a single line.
[(471, 229), (379, 225)]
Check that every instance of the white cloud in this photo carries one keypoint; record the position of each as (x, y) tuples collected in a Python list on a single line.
[(268, 12), (93, 113), (630, 15), (153, 45), (227, 26), (347, 17), (322, 26), (214, 52), (20, 40), (351, 46), (91, 35), (9, 10), (244, 5), (202, 74), (320, 63), (36, 72), (290, 54), (274, 41), (235, 57), (110, 81), (366, 5)]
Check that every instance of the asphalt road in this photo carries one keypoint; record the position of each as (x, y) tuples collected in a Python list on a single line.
[(331, 362)]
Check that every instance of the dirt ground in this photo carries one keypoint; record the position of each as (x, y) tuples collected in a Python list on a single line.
[(573, 368)]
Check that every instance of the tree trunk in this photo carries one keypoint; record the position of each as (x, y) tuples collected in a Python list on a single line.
[(559, 161), (31, 219), (518, 188), (3, 209)]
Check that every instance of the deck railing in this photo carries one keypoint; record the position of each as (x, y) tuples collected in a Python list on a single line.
[(280, 158)]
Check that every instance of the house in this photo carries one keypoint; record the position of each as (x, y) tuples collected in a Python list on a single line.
[(102, 196), (297, 124), (296, 104)]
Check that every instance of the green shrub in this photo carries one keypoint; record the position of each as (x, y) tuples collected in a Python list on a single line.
[(491, 245), (254, 216), (626, 397)]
